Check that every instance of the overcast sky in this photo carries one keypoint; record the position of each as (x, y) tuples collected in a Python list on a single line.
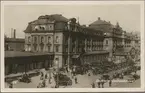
[(18, 16)]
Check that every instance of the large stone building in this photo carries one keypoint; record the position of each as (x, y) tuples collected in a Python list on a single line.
[(75, 44)]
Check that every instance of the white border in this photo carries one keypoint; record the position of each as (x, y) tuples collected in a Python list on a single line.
[(3, 3)]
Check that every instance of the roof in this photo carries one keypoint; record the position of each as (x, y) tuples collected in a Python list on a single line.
[(102, 25), (47, 18), (22, 54), (100, 22), (96, 52), (56, 17), (28, 29), (14, 40)]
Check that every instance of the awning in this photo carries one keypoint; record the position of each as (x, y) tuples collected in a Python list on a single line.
[(75, 56)]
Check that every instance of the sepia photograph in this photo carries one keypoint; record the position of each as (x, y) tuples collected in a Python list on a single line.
[(72, 46)]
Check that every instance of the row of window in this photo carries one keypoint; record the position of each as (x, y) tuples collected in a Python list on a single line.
[(43, 27), (42, 39), (42, 48)]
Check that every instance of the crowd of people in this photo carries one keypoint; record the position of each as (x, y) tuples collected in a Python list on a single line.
[(49, 80)]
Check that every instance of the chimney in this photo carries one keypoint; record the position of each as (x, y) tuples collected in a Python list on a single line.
[(99, 18), (14, 33)]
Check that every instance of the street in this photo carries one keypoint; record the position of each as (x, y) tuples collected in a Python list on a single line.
[(84, 81)]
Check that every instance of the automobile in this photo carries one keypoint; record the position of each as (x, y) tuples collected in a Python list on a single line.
[(79, 70), (63, 80), (130, 79), (135, 76), (106, 77)]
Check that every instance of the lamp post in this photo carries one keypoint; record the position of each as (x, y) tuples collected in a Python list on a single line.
[(57, 80)]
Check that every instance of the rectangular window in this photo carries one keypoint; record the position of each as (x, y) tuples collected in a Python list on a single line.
[(56, 40), (49, 48), (106, 42), (57, 49)]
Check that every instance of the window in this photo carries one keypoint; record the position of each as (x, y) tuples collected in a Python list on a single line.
[(36, 28), (57, 49), (42, 39), (35, 39), (49, 38), (49, 48), (106, 42), (29, 39), (35, 47), (57, 39)]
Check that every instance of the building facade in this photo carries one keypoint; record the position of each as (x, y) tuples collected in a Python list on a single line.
[(68, 40)]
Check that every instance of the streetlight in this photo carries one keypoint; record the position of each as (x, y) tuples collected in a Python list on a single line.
[(57, 64)]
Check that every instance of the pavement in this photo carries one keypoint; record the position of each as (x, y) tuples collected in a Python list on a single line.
[(84, 81)]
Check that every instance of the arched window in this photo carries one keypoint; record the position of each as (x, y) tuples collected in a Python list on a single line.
[(57, 39), (42, 39), (49, 38)]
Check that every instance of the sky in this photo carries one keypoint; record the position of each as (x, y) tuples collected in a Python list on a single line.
[(18, 16)]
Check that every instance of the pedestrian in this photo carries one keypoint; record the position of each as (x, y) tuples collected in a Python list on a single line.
[(102, 83), (11, 85), (50, 80), (93, 85), (44, 83), (45, 76), (110, 83), (76, 81), (89, 74), (99, 84)]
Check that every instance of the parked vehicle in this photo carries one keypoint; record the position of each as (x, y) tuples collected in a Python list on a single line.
[(130, 79), (63, 80), (25, 78)]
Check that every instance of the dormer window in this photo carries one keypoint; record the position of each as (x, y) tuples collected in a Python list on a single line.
[(36, 28)]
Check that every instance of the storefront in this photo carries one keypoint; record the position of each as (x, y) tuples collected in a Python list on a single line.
[(18, 62)]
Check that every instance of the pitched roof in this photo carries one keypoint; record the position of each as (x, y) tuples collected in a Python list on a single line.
[(28, 29), (100, 22), (55, 17), (100, 25), (47, 18)]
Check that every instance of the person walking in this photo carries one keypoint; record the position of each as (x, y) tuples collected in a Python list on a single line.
[(99, 84), (11, 85), (93, 85), (110, 83), (76, 81), (102, 83), (46, 76)]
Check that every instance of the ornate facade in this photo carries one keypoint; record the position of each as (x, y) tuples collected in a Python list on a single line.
[(68, 40)]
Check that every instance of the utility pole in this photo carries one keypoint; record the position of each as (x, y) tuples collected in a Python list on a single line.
[(69, 42)]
